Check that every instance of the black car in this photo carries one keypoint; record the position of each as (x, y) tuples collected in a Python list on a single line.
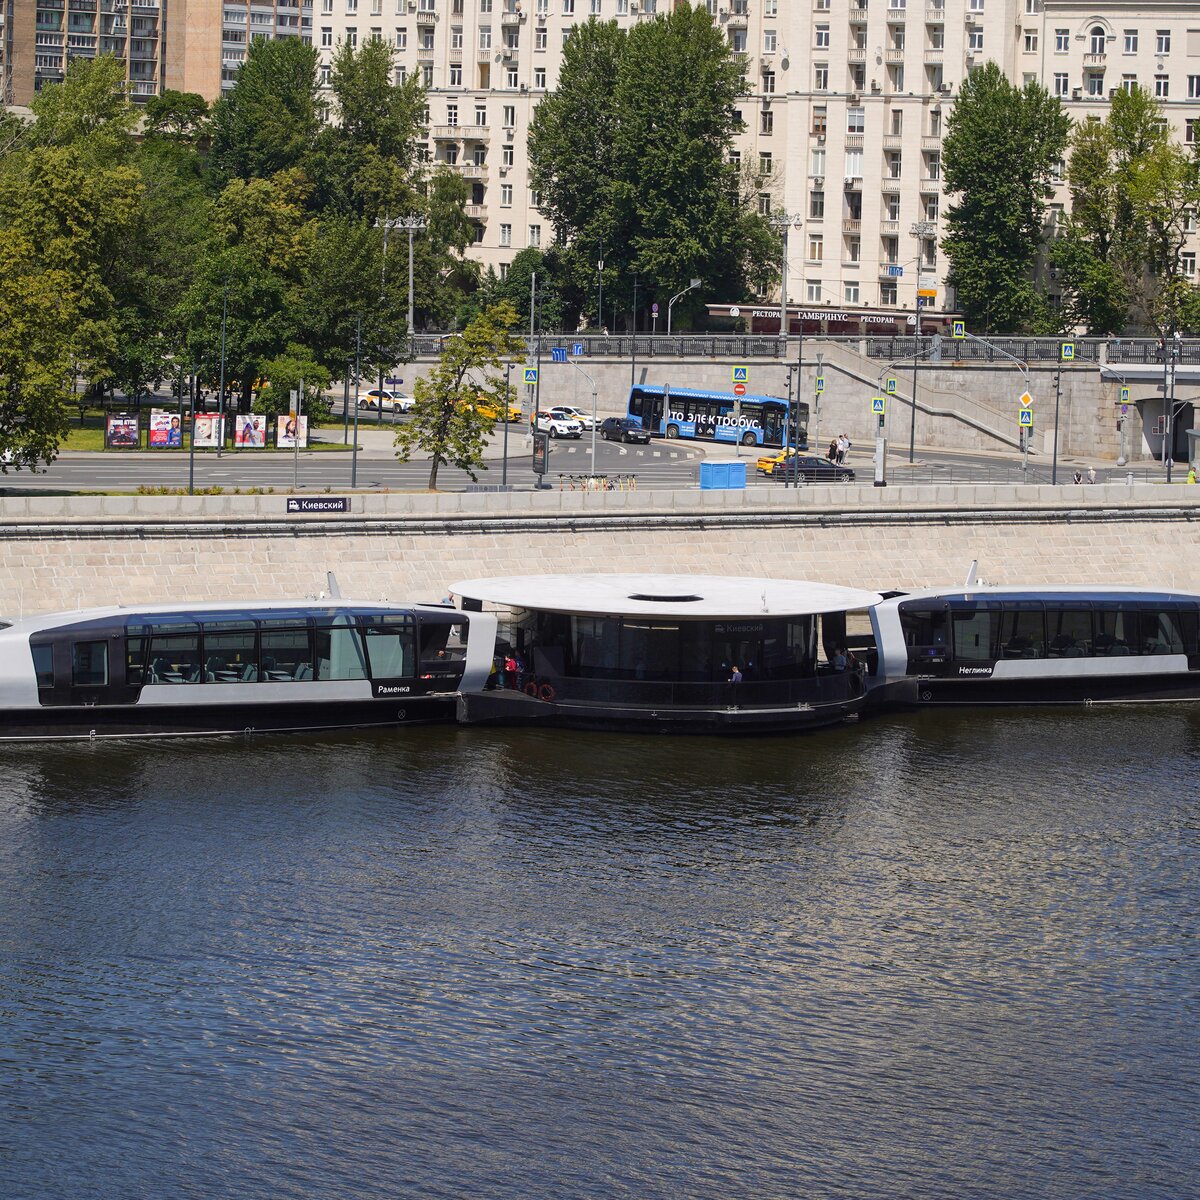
[(623, 429), (811, 469)]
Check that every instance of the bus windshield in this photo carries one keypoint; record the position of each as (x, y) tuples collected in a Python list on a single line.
[(719, 416)]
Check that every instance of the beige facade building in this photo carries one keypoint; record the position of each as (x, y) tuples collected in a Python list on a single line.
[(844, 116)]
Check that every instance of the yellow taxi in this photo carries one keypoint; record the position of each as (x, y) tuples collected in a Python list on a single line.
[(492, 409), (767, 464)]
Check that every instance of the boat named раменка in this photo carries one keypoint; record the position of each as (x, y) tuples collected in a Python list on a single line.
[(234, 668), (668, 653)]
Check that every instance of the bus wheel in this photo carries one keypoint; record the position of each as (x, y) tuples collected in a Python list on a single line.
[(748, 439), (672, 431)]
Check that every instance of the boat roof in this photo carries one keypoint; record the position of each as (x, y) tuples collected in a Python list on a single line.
[(1051, 593), (234, 609), (694, 596)]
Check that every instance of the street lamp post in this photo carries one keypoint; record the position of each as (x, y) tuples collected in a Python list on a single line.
[(600, 285), (411, 225), (594, 409), (357, 381), (221, 394), (507, 402), (671, 303), (920, 230)]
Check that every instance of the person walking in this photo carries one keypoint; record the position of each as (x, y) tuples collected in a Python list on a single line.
[(1191, 478)]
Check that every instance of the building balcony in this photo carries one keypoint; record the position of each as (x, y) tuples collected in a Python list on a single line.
[(889, 226), (1094, 60), (892, 141), (445, 133), (511, 18), (851, 226), (888, 184), (854, 141), (896, 16), (935, 56), (931, 183), (857, 54), (931, 143), (738, 21), (469, 170), (476, 212), (858, 12), (893, 56), (935, 16)]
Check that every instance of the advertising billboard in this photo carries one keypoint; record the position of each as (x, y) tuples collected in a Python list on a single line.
[(286, 429), (250, 431), (121, 432), (206, 431), (166, 429)]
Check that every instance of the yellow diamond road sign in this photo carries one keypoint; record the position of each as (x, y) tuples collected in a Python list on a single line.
[(1026, 399)]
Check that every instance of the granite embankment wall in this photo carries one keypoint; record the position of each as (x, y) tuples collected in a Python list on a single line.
[(60, 553)]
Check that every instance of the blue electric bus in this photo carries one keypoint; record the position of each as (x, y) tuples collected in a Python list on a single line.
[(677, 412)]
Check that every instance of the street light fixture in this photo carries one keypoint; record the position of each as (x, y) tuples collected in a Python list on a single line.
[(782, 222), (671, 303), (411, 224), (921, 230)]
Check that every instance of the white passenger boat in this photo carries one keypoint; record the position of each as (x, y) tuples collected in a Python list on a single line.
[(233, 668), (979, 645)]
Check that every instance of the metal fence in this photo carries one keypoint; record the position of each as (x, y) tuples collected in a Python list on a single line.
[(745, 346)]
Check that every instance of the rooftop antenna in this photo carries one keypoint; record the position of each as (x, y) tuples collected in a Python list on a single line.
[(335, 592)]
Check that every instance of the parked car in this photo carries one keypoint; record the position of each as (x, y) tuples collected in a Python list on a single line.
[(569, 413), (558, 427), (376, 401), (808, 468), (623, 429)]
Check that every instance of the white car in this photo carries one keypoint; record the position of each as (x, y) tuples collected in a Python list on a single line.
[(558, 427), (376, 400), (568, 413)]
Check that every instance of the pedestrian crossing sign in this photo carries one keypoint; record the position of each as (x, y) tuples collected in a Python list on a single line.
[(820, 383), (958, 329), (531, 374), (1124, 395), (1068, 351), (891, 387), (879, 405), (741, 374), (1025, 418)]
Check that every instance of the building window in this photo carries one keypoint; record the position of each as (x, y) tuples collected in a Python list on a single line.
[(854, 249), (1062, 41), (1187, 262), (539, 78), (510, 116), (856, 120), (1095, 85), (1062, 84), (931, 208), (850, 293), (816, 247), (540, 39), (894, 164), (451, 114), (767, 123), (813, 291), (854, 164), (506, 156), (768, 83), (816, 205), (1162, 41), (820, 121), (1131, 41), (456, 75), (764, 204), (887, 293), (765, 163), (1193, 87), (891, 206), (769, 41), (822, 42), (485, 37), (506, 195), (1033, 6), (535, 235), (1162, 86), (511, 77), (456, 38), (401, 39), (975, 41), (818, 161), (1031, 41), (821, 78), (506, 235)]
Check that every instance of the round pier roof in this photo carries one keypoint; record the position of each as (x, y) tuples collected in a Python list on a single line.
[(698, 596)]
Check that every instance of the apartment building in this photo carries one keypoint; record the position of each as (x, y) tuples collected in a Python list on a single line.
[(189, 45), (844, 115)]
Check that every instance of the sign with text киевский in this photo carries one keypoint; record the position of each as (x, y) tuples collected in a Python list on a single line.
[(318, 504)]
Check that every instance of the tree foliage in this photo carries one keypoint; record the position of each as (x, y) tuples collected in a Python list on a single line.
[(630, 155), (1002, 144), (445, 422), (1132, 189)]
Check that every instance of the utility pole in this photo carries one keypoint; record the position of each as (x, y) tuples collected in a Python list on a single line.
[(221, 395), (633, 339), (920, 230), (357, 371)]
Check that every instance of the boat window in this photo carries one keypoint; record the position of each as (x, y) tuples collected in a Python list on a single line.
[(975, 633), (391, 647), (1114, 628), (1160, 631), (1023, 631), (43, 665), (927, 636), (339, 650), (89, 664), (230, 653), (135, 660), (286, 655), (1068, 632), (174, 658), (649, 650)]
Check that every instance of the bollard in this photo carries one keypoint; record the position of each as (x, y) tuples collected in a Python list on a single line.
[(1129, 479)]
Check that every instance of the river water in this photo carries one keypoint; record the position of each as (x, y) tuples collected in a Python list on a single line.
[(926, 956)]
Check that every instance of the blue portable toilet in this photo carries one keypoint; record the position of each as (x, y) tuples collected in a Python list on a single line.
[(717, 476)]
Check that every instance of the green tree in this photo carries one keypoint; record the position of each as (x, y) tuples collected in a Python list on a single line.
[(289, 372), (38, 316), (89, 110), (1002, 143), (270, 119), (445, 422), (631, 157), (180, 116), (1132, 188)]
